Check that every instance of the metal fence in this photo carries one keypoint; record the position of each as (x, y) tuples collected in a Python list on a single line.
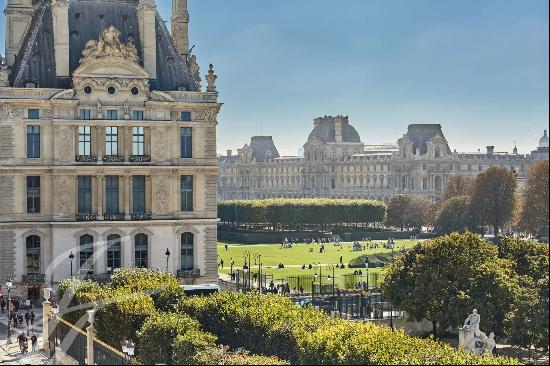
[(107, 355)]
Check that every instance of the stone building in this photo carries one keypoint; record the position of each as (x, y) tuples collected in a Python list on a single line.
[(107, 144), (336, 164)]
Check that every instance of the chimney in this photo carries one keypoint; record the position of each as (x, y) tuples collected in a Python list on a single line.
[(338, 122), (180, 25), (18, 19), (490, 150), (229, 153), (147, 11), (60, 12)]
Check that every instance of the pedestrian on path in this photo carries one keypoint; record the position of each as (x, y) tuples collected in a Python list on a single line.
[(34, 341)]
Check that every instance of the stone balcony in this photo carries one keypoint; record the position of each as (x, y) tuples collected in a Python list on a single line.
[(110, 159), (86, 217), (140, 159), (86, 159), (141, 216), (34, 279), (114, 216)]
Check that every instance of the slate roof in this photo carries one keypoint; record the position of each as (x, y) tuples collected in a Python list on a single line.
[(263, 148), (87, 19), (419, 134), (325, 131)]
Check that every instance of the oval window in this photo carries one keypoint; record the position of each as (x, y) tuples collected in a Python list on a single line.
[(111, 90), (134, 91), (88, 90)]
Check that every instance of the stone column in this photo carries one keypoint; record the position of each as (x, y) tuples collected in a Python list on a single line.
[(100, 195), (90, 335), (146, 12), (127, 189), (46, 310)]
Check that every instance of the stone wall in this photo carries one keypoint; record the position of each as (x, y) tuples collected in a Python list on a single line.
[(7, 194), (7, 254), (211, 254), (6, 142)]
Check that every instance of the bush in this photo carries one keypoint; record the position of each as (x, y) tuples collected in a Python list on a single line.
[(274, 326), (163, 287), (122, 314), (375, 260), (222, 356), (190, 345), (76, 297), (166, 336)]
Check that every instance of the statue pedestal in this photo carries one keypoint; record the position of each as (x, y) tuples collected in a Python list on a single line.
[(465, 338)]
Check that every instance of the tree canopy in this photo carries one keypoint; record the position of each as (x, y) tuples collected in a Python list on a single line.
[(534, 214), (456, 215)]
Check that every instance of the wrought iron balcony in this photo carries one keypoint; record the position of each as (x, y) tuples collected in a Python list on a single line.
[(86, 159), (142, 216), (194, 273), (34, 279), (114, 216), (113, 159), (140, 159), (86, 217)]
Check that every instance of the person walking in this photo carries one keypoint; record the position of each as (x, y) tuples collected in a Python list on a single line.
[(34, 342), (27, 318), (2, 303), (32, 318)]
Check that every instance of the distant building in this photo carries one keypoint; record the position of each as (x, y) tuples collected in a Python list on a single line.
[(107, 144), (337, 164)]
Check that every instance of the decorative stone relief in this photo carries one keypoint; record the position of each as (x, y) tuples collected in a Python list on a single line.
[(161, 195), (109, 44), (4, 72), (8, 111), (64, 142), (209, 114), (160, 142), (64, 188)]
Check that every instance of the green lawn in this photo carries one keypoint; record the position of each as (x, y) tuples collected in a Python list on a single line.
[(294, 258)]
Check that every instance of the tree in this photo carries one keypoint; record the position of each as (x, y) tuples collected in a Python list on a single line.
[(534, 214), (444, 278), (410, 212), (458, 186), (398, 211), (493, 196), (456, 215)]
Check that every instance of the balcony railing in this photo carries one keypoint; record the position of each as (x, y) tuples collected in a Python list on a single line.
[(140, 159), (143, 216), (194, 273), (86, 159), (86, 217), (34, 279), (113, 159), (114, 216)]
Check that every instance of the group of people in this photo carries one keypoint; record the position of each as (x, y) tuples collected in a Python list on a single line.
[(283, 289), (23, 341)]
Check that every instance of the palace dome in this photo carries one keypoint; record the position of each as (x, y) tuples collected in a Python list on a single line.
[(543, 142), (325, 130)]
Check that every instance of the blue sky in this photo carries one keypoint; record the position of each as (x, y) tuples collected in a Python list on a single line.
[(478, 67)]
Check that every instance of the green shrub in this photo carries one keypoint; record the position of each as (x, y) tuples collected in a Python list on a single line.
[(76, 297), (162, 332), (222, 356), (163, 287), (189, 345), (122, 314), (274, 326)]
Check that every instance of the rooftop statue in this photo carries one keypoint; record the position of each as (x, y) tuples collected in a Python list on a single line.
[(109, 44)]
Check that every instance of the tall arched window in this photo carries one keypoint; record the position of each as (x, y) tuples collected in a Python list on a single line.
[(113, 252), (404, 183), (86, 252), (437, 183), (33, 254), (437, 152), (187, 250), (141, 251)]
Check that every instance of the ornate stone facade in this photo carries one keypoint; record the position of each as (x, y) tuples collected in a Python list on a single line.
[(101, 155), (336, 164)]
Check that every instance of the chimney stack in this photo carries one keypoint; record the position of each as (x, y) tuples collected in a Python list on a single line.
[(147, 12), (180, 25), (490, 150), (229, 153), (60, 12), (18, 19)]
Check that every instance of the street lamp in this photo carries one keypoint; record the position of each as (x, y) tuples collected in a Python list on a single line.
[(367, 269), (71, 258), (258, 260), (247, 259), (167, 257), (315, 265), (392, 246), (329, 267), (9, 285)]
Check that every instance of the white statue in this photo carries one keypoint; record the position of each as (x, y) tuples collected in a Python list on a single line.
[(473, 339), (471, 324), (109, 44)]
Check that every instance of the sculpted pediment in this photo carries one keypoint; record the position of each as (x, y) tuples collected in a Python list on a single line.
[(109, 67)]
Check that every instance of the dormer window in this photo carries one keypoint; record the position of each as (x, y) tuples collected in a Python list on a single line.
[(437, 152), (31, 84)]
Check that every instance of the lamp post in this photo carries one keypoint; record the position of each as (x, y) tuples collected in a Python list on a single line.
[(329, 267), (167, 257), (318, 265), (247, 259), (71, 258), (258, 260), (9, 285), (367, 269), (392, 246)]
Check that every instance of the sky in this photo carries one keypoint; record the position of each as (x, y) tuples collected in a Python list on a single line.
[(478, 67)]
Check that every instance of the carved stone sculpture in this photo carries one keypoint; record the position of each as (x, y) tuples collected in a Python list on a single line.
[(211, 79), (109, 44), (4, 72), (473, 339), (194, 68)]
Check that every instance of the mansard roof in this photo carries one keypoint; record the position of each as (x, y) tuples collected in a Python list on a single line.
[(420, 134), (325, 131), (263, 148), (87, 19)]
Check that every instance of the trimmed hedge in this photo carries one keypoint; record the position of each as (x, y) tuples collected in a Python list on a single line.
[(76, 297), (167, 337), (274, 326), (222, 356), (294, 212)]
